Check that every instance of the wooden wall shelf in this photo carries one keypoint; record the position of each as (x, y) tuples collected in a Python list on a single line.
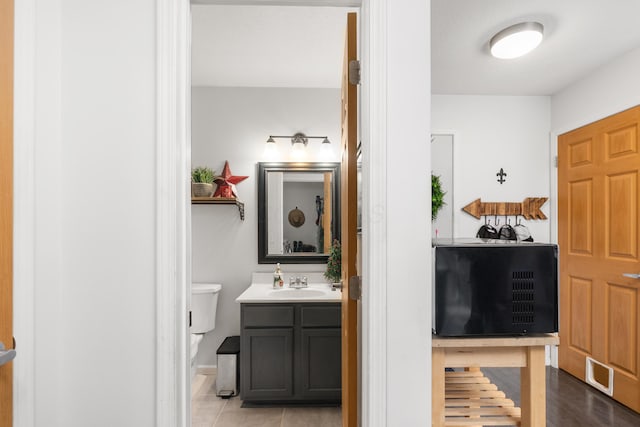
[(219, 201), (528, 208)]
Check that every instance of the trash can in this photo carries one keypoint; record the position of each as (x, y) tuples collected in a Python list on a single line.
[(228, 373)]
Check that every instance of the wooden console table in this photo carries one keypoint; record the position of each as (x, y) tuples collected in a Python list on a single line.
[(470, 399)]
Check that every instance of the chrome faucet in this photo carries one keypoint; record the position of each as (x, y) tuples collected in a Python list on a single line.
[(298, 282)]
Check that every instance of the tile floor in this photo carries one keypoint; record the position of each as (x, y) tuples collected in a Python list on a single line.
[(208, 410)]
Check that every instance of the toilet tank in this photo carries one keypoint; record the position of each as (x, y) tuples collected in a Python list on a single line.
[(204, 301)]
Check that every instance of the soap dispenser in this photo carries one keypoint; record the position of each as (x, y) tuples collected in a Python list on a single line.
[(278, 282)]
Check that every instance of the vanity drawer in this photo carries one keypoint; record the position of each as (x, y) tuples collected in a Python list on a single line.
[(313, 316), (267, 315)]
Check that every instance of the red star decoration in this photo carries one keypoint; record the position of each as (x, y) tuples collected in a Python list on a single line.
[(227, 183)]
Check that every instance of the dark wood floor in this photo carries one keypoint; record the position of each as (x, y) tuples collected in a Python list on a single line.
[(570, 402)]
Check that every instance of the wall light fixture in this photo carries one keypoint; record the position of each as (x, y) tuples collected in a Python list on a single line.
[(298, 142)]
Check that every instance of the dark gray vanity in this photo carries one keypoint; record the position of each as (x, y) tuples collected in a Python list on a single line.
[(290, 352)]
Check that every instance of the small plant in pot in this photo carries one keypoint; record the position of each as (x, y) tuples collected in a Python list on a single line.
[(334, 263), (202, 181), (437, 196)]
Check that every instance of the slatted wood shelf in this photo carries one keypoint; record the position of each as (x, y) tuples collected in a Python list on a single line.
[(472, 400)]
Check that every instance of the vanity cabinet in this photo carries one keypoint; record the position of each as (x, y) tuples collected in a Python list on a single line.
[(290, 352)]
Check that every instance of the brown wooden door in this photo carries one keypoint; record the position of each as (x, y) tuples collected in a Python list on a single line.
[(6, 205), (599, 238), (348, 218)]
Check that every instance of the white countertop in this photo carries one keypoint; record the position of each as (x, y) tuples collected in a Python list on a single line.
[(261, 290)]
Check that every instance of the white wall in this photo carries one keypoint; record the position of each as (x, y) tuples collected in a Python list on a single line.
[(610, 89), (493, 132), (233, 124), (94, 284)]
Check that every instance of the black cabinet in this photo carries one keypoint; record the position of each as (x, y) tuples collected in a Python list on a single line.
[(290, 352)]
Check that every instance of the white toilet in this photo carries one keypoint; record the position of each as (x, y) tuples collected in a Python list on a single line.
[(204, 301)]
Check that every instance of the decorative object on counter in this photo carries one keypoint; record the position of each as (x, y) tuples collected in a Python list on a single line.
[(334, 263), (202, 181), (227, 183), (296, 217), (528, 208), (278, 281), (437, 196), (501, 176)]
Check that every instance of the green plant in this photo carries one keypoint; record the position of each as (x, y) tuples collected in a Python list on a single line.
[(437, 196), (202, 174), (334, 263)]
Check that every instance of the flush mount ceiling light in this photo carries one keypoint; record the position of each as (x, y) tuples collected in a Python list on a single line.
[(516, 40)]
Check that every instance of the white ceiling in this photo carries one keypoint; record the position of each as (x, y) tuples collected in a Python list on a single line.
[(272, 46), (289, 46)]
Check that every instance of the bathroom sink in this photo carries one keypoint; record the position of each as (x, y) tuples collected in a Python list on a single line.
[(297, 293), (261, 291)]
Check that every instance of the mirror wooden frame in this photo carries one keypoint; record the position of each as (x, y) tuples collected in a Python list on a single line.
[(263, 169)]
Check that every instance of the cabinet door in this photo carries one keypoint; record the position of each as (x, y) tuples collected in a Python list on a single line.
[(320, 364), (267, 364)]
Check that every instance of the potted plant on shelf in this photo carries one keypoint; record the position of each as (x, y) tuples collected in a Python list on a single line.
[(202, 181), (334, 263), (437, 196)]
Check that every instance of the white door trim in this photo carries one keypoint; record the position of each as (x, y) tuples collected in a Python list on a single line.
[(173, 214), (24, 221), (373, 114), (173, 109)]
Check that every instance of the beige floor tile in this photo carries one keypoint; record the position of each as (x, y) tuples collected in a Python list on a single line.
[(196, 383), (207, 390), (234, 415), (208, 410), (205, 412), (312, 417)]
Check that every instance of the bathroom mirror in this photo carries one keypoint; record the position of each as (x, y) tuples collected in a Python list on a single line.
[(298, 212)]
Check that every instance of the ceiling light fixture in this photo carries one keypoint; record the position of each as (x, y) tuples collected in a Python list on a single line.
[(516, 40)]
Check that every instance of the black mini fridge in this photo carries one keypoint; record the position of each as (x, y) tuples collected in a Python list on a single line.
[(488, 287)]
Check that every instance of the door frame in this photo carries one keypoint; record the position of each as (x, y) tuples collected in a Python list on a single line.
[(172, 368), (24, 223)]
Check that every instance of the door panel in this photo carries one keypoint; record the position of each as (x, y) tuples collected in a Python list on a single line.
[(621, 222), (622, 306), (348, 218), (598, 233), (580, 317), (6, 206), (581, 210)]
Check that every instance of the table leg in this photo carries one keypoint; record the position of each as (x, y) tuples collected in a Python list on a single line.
[(533, 389), (437, 387)]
